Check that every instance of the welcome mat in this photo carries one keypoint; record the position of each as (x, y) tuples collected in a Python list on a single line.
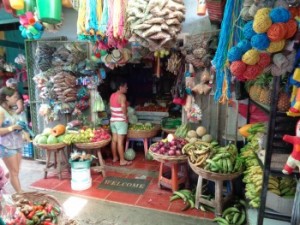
[(129, 185)]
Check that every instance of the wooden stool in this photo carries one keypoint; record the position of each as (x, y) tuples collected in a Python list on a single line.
[(175, 167), (219, 201), (92, 147), (144, 140), (58, 165)]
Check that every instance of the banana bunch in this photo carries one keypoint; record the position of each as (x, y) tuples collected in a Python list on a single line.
[(255, 129), (187, 196), (287, 186), (82, 137), (235, 215), (198, 152)]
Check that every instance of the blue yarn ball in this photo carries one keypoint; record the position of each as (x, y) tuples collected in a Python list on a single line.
[(280, 15), (260, 41), (234, 54), (244, 45), (248, 30)]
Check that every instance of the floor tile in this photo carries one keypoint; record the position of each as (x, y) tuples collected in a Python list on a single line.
[(122, 197), (50, 183), (155, 201)]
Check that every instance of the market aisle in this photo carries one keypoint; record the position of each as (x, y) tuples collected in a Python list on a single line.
[(98, 212)]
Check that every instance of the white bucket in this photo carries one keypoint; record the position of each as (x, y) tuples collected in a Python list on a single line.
[(81, 186), (81, 175)]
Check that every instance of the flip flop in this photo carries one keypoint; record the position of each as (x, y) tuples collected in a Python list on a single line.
[(114, 161), (126, 164)]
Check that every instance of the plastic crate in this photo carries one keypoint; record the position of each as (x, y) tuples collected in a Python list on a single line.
[(28, 151), (80, 164)]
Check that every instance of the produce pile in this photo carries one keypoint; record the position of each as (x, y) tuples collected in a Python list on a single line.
[(35, 213), (214, 158), (53, 135), (187, 196), (87, 136), (141, 126), (155, 23), (170, 123), (169, 147), (234, 214), (199, 134)]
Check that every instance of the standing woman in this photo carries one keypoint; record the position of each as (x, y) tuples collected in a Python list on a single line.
[(11, 141)]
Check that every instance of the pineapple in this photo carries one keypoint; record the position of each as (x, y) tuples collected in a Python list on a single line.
[(265, 94), (256, 90), (283, 104)]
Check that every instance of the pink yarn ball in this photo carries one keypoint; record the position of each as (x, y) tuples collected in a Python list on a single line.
[(252, 72), (237, 68), (264, 60)]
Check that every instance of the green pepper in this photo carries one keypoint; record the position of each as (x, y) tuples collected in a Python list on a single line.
[(39, 213), (57, 209), (54, 221), (29, 222), (43, 217)]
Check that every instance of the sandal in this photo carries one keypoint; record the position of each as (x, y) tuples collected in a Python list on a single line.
[(126, 163)]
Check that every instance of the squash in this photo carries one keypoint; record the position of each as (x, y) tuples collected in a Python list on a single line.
[(244, 130), (58, 130), (191, 134), (201, 131), (206, 138)]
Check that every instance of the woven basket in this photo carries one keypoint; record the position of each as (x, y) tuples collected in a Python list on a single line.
[(93, 145), (39, 197), (143, 133), (50, 146), (211, 175), (163, 158)]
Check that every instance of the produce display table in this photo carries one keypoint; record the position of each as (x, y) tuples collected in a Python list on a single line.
[(95, 146), (177, 165), (141, 135), (60, 158), (218, 179)]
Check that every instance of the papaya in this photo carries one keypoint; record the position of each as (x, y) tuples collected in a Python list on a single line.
[(58, 130), (244, 130)]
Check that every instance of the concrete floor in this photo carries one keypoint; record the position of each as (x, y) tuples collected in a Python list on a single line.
[(90, 211)]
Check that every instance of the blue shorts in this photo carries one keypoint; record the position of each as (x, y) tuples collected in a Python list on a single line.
[(119, 127), (6, 153)]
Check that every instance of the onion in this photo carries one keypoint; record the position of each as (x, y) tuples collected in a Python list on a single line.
[(178, 152), (171, 152)]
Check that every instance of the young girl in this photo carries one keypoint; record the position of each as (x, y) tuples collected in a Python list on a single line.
[(11, 141)]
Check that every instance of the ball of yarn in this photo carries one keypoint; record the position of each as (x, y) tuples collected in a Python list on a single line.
[(277, 31), (237, 68), (264, 60), (291, 26), (244, 45), (248, 30), (234, 54), (276, 46), (262, 12), (251, 57), (280, 15), (260, 41), (252, 71), (261, 24)]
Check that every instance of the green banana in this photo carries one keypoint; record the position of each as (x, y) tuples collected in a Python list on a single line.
[(236, 218), (229, 210), (191, 203), (186, 207), (212, 163), (242, 218), (229, 165), (174, 197), (225, 166), (243, 203), (181, 195), (221, 220)]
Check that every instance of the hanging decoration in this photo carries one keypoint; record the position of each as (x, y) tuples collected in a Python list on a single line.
[(265, 35), (222, 75), (155, 24)]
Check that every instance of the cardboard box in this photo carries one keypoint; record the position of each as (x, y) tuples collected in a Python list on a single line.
[(283, 205)]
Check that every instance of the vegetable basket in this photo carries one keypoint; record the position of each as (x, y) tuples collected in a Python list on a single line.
[(163, 158), (93, 145), (143, 133), (40, 197), (50, 146), (209, 175)]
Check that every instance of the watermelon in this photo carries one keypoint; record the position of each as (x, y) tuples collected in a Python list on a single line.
[(149, 156), (60, 138), (129, 154), (52, 140), (47, 131)]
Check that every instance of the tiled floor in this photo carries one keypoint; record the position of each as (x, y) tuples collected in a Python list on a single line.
[(153, 198)]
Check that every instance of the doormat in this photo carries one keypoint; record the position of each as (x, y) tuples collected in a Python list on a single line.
[(129, 185)]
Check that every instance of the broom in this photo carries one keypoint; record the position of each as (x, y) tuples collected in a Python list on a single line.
[(296, 208)]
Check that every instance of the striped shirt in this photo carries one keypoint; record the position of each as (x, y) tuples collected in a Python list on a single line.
[(116, 109)]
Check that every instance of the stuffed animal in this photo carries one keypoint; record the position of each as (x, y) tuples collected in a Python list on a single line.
[(294, 159)]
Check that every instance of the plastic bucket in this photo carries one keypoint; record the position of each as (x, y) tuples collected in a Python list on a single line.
[(49, 11), (80, 175), (81, 186)]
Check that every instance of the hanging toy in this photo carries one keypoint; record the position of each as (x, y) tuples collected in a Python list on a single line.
[(30, 28), (294, 159)]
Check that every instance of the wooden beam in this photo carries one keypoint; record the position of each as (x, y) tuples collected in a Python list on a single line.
[(12, 44)]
